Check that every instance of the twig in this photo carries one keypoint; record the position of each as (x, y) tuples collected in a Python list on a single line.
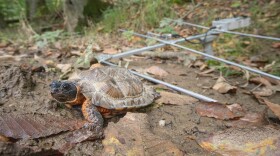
[(256, 87)]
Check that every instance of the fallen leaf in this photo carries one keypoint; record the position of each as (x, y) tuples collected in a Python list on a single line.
[(64, 67), (200, 64), (76, 52), (273, 81), (275, 108), (268, 67), (38, 69), (96, 47), (260, 80), (223, 87), (250, 119), (3, 44), (155, 70), (73, 76), (79, 136), (174, 99), (276, 45), (246, 75), (208, 71), (57, 45), (263, 92), (87, 59), (131, 135), (35, 126), (11, 57), (258, 59), (44, 63), (3, 138), (110, 51), (219, 111), (275, 88), (96, 65), (244, 141)]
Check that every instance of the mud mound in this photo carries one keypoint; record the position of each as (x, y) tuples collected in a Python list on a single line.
[(14, 81)]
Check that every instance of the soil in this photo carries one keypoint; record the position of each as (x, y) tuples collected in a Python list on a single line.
[(26, 91)]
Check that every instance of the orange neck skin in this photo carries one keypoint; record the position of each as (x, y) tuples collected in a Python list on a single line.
[(80, 98)]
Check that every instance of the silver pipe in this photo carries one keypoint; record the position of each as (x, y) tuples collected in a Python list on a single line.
[(248, 35), (233, 32), (210, 56), (135, 51), (193, 94)]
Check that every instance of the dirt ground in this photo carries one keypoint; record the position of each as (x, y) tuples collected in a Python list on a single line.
[(24, 90)]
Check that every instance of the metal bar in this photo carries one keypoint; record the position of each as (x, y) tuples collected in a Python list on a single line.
[(135, 51), (248, 35), (193, 94), (210, 56), (233, 32)]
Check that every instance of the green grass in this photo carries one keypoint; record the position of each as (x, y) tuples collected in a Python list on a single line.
[(136, 14), (223, 68)]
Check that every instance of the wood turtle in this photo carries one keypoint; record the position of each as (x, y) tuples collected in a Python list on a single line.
[(103, 91)]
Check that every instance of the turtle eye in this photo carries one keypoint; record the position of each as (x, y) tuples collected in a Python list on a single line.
[(65, 86)]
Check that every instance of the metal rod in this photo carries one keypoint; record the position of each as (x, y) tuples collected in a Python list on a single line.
[(232, 32), (210, 56), (136, 51), (193, 94), (248, 35)]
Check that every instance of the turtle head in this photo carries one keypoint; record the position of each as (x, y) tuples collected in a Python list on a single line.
[(64, 91)]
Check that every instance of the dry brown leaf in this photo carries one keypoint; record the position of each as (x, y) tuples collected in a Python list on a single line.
[(96, 65), (276, 45), (3, 138), (175, 99), (3, 44), (223, 87), (79, 136), (275, 108), (11, 57), (132, 136), (76, 52), (35, 126), (208, 71), (250, 119), (96, 47), (244, 141), (44, 63), (110, 51), (219, 111), (155, 70), (264, 92), (200, 64), (260, 80), (64, 67), (273, 81)]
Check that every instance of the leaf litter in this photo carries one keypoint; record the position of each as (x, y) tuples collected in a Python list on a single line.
[(132, 136), (85, 63), (169, 98), (29, 126), (155, 70), (243, 141), (223, 87), (219, 110)]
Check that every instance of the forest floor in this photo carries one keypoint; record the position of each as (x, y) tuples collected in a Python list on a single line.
[(172, 125), (245, 121)]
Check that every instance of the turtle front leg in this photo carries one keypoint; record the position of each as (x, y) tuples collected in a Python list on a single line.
[(92, 115)]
